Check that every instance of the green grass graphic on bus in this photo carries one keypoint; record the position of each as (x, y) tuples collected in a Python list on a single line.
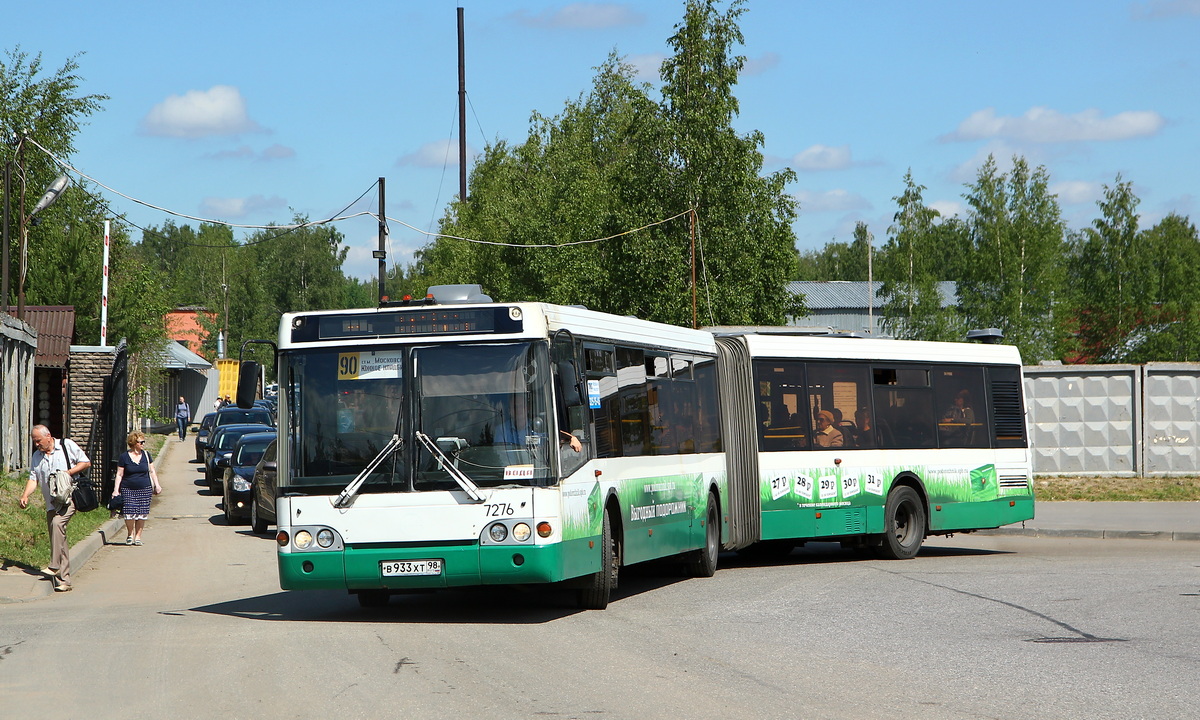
[(869, 486), (661, 499)]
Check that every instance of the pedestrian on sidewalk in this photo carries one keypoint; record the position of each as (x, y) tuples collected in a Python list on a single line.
[(136, 480), (50, 455), (183, 416)]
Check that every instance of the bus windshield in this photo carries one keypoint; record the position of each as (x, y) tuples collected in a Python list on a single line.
[(486, 407)]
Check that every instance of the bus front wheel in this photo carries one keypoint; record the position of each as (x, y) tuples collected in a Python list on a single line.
[(904, 524), (600, 585)]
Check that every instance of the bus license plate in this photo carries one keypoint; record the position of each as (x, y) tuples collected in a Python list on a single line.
[(392, 568)]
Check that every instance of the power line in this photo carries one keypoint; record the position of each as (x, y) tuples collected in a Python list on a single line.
[(338, 217)]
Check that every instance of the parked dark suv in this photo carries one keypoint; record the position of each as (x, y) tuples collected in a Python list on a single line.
[(264, 488), (236, 481)]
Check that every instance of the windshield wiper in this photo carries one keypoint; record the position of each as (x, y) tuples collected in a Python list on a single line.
[(447, 464), (345, 496)]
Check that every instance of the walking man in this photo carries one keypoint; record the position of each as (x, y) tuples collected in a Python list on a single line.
[(183, 416), (51, 455)]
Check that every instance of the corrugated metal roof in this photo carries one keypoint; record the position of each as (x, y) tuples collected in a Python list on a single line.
[(847, 294), (178, 357), (55, 325)]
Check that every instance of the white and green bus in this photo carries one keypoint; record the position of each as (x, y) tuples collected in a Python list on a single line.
[(459, 442), (870, 442), (464, 442)]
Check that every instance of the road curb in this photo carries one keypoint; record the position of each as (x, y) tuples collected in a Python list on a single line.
[(1096, 534)]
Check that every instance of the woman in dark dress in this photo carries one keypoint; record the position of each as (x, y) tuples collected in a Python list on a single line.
[(136, 480)]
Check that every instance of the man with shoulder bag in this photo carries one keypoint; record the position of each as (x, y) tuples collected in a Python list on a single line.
[(50, 457)]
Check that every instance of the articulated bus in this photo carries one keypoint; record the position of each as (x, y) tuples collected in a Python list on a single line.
[(460, 442)]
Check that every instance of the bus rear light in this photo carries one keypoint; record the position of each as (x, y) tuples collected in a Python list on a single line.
[(544, 529), (282, 538)]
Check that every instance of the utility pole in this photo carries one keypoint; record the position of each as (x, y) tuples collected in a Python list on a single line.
[(7, 202), (381, 253), (462, 111)]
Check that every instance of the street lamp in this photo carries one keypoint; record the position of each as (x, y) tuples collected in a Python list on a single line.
[(52, 193)]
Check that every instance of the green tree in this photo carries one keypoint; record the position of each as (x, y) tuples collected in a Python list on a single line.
[(912, 267), (49, 111), (614, 162), (745, 218), (1109, 273), (838, 260), (1016, 273), (1169, 330)]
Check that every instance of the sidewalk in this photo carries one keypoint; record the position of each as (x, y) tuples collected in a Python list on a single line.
[(1100, 520), (19, 585)]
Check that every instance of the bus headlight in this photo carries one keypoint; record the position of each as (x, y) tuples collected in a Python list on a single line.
[(521, 532), (497, 532), (325, 538), (304, 539)]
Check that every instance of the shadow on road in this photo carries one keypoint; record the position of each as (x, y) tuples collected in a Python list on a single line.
[(500, 605)]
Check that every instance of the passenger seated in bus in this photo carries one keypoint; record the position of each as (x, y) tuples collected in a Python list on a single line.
[(827, 435), (956, 422), (864, 433)]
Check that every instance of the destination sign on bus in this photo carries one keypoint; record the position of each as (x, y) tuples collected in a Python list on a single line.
[(403, 323)]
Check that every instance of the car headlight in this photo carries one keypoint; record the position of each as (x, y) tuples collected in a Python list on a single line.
[(521, 532), (304, 539), (241, 484), (498, 532)]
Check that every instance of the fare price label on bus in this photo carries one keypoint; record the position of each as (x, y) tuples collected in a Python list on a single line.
[(370, 365)]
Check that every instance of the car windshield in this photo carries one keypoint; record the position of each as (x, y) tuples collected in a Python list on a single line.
[(250, 453), (485, 406), (227, 439), (234, 416)]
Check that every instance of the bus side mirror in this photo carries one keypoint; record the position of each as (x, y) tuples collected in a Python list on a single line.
[(247, 387), (569, 380)]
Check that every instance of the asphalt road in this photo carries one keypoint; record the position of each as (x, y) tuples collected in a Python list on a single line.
[(193, 625)]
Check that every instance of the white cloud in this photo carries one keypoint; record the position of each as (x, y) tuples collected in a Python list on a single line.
[(436, 154), (949, 208), (968, 171), (220, 110), (1042, 124), (582, 16), (238, 153), (1159, 9), (245, 152), (277, 152), (238, 208), (1076, 192), (831, 201), (646, 65), (823, 157), (759, 65)]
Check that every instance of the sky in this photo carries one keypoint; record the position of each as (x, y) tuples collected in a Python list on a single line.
[(248, 111)]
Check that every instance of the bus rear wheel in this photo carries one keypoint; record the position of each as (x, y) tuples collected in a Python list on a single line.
[(703, 562), (600, 585), (904, 524)]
